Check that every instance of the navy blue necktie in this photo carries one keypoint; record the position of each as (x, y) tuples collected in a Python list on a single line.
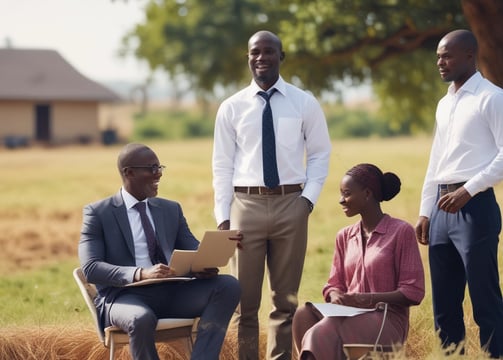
[(271, 177), (154, 251)]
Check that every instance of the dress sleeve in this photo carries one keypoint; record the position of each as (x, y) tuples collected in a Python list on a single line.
[(409, 265), (336, 279)]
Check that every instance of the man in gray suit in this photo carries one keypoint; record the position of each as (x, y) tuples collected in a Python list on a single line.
[(114, 251)]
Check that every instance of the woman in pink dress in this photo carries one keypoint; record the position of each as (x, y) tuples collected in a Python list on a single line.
[(375, 261)]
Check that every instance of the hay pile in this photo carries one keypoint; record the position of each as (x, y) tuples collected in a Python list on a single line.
[(78, 343)]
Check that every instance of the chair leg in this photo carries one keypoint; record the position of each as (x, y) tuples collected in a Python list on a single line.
[(112, 350), (191, 340), (190, 343)]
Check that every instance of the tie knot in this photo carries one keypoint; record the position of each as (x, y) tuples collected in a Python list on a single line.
[(267, 95), (140, 206)]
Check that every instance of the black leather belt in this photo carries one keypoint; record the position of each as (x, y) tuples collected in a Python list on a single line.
[(448, 188), (262, 190)]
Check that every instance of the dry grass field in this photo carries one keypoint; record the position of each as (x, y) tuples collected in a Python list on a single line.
[(43, 191), (78, 343)]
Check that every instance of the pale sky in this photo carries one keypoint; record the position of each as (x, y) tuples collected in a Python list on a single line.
[(87, 33)]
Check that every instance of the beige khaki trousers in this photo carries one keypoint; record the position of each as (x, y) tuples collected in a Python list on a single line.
[(275, 236)]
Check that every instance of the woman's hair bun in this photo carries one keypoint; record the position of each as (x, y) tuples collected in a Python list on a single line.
[(390, 185)]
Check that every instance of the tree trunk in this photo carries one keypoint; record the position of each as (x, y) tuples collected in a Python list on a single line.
[(485, 18)]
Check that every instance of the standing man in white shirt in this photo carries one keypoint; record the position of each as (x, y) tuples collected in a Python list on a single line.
[(459, 216), (273, 215)]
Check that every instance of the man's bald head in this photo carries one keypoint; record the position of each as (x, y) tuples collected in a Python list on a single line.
[(266, 35), (463, 39)]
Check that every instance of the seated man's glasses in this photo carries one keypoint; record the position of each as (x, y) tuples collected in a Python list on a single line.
[(156, 169)]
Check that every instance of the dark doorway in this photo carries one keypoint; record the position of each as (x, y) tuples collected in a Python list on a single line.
[(43, 123)]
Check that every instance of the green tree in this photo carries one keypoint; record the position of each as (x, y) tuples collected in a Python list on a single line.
[(328, 42), (391, 42), (408, 88), (205, 41)]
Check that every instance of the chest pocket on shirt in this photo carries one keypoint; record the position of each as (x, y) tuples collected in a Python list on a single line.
[(289, 132)]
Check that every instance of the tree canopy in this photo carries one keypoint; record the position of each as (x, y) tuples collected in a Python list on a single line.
[(392, 43)]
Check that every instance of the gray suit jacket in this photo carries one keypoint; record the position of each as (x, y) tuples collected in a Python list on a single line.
[(106, 247)]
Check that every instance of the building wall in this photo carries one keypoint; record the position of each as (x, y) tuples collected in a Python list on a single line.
[(75, 122), (16, 118), (71, 122)]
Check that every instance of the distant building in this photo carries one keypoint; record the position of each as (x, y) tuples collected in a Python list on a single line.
[(44, 99)]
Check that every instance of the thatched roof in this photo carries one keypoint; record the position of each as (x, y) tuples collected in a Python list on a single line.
[(44, 75)]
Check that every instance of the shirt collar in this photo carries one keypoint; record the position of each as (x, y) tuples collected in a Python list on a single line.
[(280, 86), (129, 200), (470, 85), (381, 227)]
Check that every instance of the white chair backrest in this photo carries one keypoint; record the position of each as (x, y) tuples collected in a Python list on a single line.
[(88, 292)]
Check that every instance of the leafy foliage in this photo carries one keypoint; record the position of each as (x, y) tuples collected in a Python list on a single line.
[(351, 38), (328, 43), (408, 88), (203, 40)]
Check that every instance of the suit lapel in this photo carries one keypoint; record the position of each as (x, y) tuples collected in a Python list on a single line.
[(120, 214)]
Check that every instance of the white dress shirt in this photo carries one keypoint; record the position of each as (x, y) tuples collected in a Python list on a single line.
[(302, 143), (140, 240), (468, 141)]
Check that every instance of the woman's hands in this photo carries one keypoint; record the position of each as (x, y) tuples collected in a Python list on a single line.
[(369, 300), (361, 300)]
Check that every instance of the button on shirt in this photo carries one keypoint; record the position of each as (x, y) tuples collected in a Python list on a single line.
[(468, 141), (140, 241), (300, 128)]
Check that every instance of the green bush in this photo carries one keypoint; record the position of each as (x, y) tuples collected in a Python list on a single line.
[(175, 124), (355, 123), (342, 122)]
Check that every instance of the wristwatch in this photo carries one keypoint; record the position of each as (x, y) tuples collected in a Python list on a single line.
[(137, 274)]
